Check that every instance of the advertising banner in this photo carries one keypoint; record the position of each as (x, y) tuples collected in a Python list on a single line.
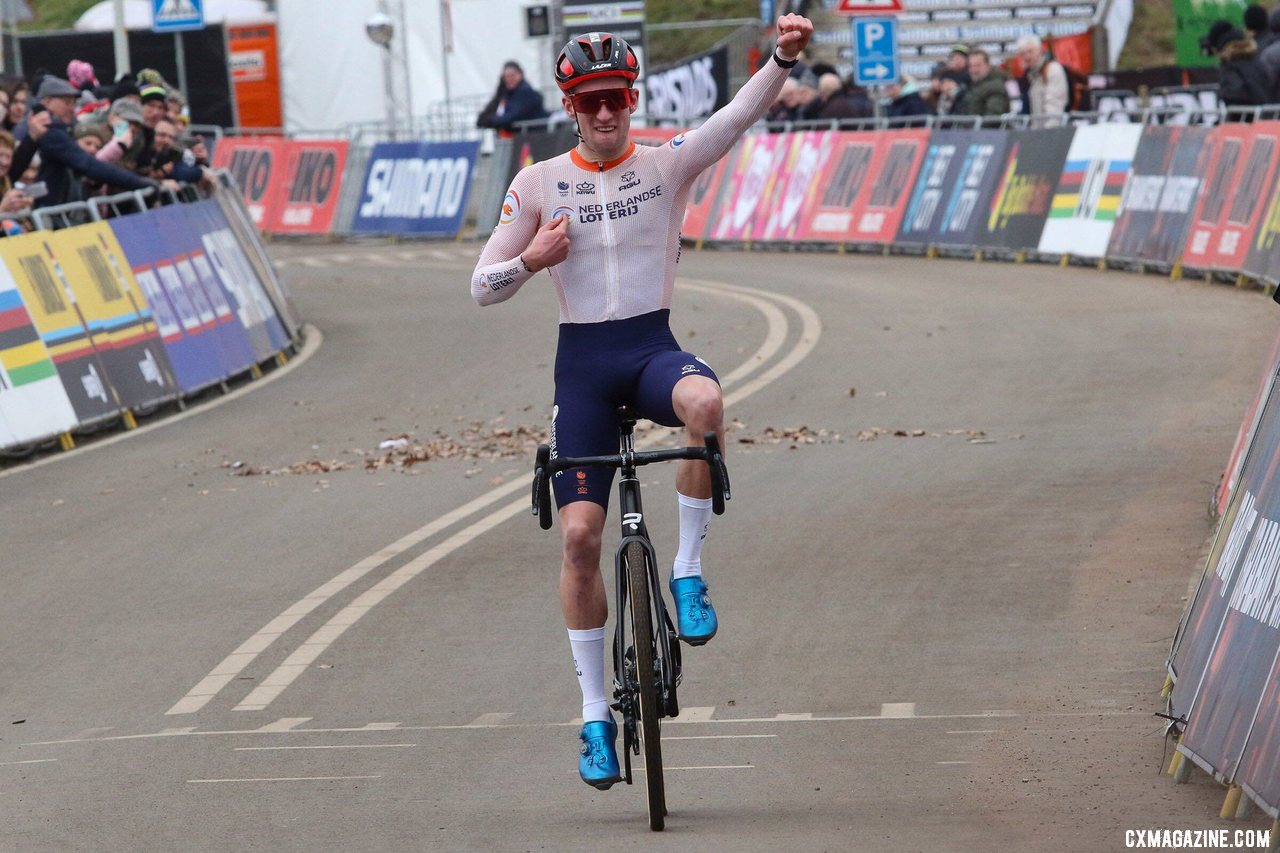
[(750, 180), (956, 179), (803, 158), (1241, 169), (830, 216), (1087, 202), (256, 163), (534, 147), (417, 188), (255, 75), (188, 325), (705, 196), (1259, 772), (115, 312), (1247, 429), (881, 207), (62, 327), (691, 91), (1022, 199), (33, 403), (313, 181), (1160, 198), (232, 214)]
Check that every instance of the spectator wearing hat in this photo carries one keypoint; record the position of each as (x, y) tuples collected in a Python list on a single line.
[(128, 135), (1243, 81), (62, 162), (952, 92), (1269, 56), (90, 136), (1255, 25), (154, 104), (958, 62), (902, 100)]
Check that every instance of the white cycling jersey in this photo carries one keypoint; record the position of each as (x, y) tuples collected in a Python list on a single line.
[(624, 216)]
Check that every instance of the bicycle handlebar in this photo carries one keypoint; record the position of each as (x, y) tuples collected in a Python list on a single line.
[(545, 467)]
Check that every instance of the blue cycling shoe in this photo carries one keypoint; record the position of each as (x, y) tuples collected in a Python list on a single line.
[(598, 764), (695, 615)]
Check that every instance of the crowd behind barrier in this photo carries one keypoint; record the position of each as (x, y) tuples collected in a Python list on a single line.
[(135, 306)]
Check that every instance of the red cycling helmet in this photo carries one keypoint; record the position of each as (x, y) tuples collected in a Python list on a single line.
[(593, 55)]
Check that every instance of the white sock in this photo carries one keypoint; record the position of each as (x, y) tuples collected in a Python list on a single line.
[(695, 518), (588, 660)]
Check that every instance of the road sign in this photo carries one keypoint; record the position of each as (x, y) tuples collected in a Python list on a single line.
[(869, 7), (875, 51), (173, 16)]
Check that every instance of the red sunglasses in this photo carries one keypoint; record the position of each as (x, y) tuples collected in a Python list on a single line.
[(617, 100)]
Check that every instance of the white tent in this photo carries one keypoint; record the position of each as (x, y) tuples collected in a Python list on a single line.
[(137, 14), (332, 73)]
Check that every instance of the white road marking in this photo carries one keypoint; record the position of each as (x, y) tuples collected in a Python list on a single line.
[(327, 746), (708, 767), (284, 724), (952, 762), (28, 761), (485, 721), (697, 714), (313, 340), (714, 737), (898, 710), (178, 730), (191, 731), (973, 732), (285, 779), (284, 675)]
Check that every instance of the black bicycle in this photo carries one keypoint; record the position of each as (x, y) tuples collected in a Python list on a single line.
[(646, 662)]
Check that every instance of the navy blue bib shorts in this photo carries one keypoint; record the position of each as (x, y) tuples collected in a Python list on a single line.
[(600, 366)]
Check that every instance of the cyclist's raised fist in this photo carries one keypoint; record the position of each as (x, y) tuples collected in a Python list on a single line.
[(794, 32), (549, 246)]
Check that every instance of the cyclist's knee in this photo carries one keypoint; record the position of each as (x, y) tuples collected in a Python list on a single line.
[(701, 407), (582, 530)]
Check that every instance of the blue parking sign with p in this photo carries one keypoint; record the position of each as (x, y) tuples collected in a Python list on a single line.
[(875, 51)]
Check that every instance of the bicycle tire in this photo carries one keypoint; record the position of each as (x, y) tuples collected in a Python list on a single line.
[(642, 636)]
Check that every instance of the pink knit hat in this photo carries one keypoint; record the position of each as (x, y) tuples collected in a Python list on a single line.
[(79, 73)]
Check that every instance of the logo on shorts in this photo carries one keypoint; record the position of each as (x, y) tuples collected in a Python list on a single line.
[(689, 368), (582, 475), (510, 208), (562, 187)]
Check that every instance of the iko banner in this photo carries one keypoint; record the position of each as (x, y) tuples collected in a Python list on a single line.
[(33, 403), (1087, 201), (256, 163), (1161, 195), (691, 91), (416, 188), (954, 187), (1022, 199), (313, 181), (1241, 173)]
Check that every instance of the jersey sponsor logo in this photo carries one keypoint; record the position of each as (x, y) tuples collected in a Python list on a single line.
[(585, 188), (620, 209), (494, 281), (562, 210), (677, 140), (629, 180), (562, 187), (510, 208)]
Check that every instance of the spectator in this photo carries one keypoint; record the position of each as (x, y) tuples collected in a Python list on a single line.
[(933, 91), (902, 100), (1047, 86), (90, 136), (128, 135), (989, 95), (154, 104), (1255, 25), (1269, 56), (18, 91), (62, 162), (797, 101), (11, 198), (167, 160), (838, 102), (514, 101), (1243, 81), (958, 61), (176, 108), (952, 93)]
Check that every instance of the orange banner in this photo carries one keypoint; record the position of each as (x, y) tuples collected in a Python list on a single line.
[(255, 73)]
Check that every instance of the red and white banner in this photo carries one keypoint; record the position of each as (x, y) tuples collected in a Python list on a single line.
[(1241, 171)]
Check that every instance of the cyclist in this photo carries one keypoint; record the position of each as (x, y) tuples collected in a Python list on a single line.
[(604, 220)]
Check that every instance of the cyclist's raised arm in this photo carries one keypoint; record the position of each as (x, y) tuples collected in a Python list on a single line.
[(501, 269), (698, 149)]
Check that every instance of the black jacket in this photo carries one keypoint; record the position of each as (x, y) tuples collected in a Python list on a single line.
[(523, 103), (1245, 81), (63, 163)]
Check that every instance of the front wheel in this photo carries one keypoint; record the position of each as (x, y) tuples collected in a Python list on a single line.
[(642, 636)]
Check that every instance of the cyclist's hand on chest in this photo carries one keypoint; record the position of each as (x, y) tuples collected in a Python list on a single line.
[(549, 246)]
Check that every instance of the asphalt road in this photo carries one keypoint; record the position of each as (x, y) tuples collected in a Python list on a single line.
[(943, 641)]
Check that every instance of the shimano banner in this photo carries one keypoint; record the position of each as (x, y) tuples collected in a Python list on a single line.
[(683, 94), (417, 188)]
